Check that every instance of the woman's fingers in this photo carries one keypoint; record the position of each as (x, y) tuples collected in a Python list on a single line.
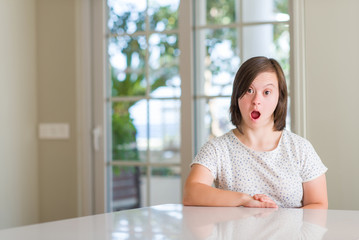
[(267, 201), (261, 201)]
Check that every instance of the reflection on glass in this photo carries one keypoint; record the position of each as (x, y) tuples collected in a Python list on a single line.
[(165, 185), (165, 131), (212, 119), (218, 61), (265, 10), (127, 59), (129, 142), (163, 62), (163, 14), (128, 187), (216, 12), (126, 16)]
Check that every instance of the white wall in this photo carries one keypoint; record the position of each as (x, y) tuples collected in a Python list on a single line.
[(56, 85), (18, 141), (38, 178), (332, 63)]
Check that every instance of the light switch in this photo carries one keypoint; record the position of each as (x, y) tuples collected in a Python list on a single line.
[(54, 131)]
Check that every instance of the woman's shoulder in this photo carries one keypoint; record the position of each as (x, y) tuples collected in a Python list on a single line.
[(295, 139), (216, 148), (220, 141), (223, 139)]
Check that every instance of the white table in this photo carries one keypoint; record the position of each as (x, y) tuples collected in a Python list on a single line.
[(173, 221)]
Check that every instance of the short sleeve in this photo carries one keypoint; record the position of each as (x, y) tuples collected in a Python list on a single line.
[(312, 165), (207, 157)]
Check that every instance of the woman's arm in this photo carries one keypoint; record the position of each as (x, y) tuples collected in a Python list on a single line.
[(199, 192), (315, 193)]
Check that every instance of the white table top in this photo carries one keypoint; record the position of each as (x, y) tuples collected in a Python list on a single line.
[(173, 221)]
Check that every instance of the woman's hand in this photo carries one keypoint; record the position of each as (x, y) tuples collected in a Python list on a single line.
[(260, 201)]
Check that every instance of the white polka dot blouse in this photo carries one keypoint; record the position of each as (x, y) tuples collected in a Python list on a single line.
[(278, 173)]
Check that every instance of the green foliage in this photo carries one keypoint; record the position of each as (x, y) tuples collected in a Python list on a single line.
[(164, 171), (281, 6), (220, 12), (119, 23), (117, 170), (124, 133), (132, 82), (164, 15), (132, 85)]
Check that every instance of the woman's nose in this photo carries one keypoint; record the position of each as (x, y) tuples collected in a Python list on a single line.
[(256, 99)]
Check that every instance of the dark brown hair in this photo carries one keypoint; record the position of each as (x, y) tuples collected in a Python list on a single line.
[(245, 75)]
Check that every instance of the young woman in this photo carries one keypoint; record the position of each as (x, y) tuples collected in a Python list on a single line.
[(259, 163)]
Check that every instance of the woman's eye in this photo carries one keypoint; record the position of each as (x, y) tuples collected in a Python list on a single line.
[(267, 92), (250, 90)]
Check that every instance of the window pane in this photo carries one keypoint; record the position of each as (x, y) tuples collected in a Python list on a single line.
[(163, 14), (217, 61), (217, 12), (165, 131), (165, 185), (265, 10), (127, 59), (268, 40), (258, 41), (281, 40), (126, 16), (163, 61), (212, 119), (129, 130), (128, 189)]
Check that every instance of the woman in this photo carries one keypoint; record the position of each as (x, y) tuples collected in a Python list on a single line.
[(259, 163)]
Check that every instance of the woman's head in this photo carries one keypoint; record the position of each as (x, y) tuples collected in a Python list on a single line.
[(243, 80)]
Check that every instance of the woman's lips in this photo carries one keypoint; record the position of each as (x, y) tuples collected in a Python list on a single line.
[(255, 115)]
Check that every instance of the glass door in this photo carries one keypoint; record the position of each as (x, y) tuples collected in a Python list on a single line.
[(163, 75), (143, 104)]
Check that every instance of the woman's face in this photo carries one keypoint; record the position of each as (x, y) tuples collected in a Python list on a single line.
[(259, 102)]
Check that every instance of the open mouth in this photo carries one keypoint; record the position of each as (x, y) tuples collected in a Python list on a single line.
[(255, 115)]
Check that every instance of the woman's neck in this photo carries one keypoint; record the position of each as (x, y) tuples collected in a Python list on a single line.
[(264, 139)]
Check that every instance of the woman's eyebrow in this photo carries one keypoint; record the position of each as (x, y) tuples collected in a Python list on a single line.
[(269, 84)]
